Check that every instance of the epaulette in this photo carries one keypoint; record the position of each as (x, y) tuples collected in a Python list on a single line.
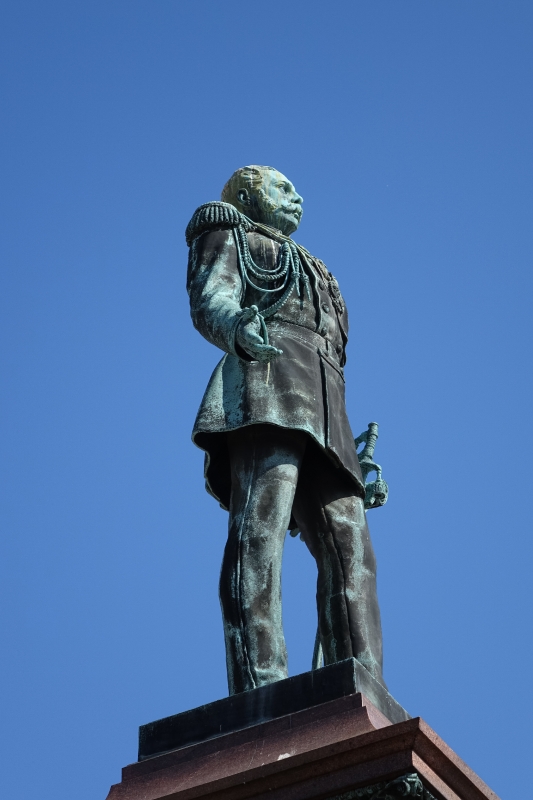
[(215, 215)]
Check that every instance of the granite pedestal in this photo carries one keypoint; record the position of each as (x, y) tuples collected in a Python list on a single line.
[(316, 736), (268, 702)]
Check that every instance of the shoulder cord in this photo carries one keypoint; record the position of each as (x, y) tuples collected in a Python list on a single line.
[(304, 255), (288, 268)]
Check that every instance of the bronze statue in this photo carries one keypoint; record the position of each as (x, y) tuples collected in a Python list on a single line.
[(280, 453)]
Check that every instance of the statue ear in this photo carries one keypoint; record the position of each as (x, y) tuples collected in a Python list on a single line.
[(243, 197)]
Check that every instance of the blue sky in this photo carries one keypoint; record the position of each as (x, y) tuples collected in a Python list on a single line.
[(407, 127)]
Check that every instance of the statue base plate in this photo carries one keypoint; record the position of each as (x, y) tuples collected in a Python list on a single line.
[(312, 737), (266, 703)]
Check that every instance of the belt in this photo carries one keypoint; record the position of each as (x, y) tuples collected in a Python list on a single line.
[(305, 335)]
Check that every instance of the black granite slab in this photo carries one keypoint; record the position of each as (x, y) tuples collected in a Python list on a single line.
[(265, 703)]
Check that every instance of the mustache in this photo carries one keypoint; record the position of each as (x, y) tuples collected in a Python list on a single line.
[(294, 209)]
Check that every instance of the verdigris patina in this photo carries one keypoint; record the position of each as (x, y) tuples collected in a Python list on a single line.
[(408, 785), (280, 453)]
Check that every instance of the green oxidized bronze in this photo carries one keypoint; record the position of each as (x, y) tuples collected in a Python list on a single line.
[(280, 453), (408, 785), (376, 492)]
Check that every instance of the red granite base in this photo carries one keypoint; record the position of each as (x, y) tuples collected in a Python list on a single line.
[(332, 749)]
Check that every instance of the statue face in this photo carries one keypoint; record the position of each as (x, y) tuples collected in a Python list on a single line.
[(275, 202)]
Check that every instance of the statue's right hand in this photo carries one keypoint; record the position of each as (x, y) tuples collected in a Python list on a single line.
[(249, 337)]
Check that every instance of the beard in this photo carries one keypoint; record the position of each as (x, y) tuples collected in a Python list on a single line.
[(285, 218)]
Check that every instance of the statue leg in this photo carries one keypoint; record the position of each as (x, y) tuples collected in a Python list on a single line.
[(332, 519), (265, 462)]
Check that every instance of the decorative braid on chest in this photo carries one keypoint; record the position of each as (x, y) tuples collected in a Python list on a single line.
[(288, 273)]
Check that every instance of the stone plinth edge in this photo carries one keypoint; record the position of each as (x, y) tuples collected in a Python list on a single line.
[(266, 703), (344, 749)]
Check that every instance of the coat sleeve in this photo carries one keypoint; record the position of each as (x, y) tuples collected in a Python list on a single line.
[(215, 289)]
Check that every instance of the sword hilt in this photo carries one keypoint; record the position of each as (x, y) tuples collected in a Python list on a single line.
[(376, 493)]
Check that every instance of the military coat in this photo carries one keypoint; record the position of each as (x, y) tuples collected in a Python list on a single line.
[(303, 388)]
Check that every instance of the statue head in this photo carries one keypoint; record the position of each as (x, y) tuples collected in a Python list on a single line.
[(266, 196)]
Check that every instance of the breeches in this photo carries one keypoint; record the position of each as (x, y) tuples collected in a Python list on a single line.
[(275, 473)]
